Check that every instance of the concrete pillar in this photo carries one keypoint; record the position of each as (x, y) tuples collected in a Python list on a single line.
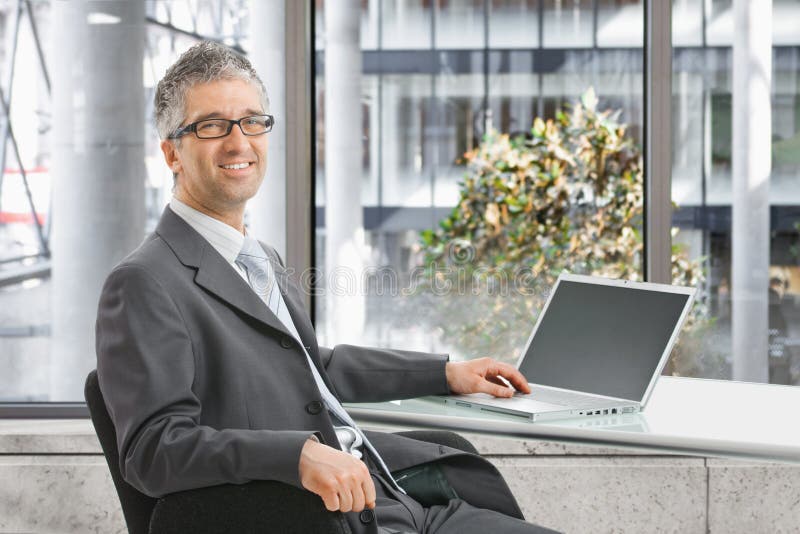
[(344, 244), (752, 132), (98, 170), (267, 210)]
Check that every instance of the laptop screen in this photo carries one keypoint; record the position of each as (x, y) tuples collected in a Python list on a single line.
[(602, 339)]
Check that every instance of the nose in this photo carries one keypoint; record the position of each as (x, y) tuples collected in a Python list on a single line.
[(236, 141)]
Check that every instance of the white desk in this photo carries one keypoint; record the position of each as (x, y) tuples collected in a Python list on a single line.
[(684, 415)]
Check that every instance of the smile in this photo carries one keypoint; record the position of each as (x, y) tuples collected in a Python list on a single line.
[(236, 166)]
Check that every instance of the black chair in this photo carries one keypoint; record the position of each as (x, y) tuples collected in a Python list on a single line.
[(259, 506)]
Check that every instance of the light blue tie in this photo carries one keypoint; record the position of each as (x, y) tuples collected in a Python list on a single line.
[(261, 277)]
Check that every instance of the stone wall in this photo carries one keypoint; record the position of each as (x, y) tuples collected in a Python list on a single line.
[(53, 479)]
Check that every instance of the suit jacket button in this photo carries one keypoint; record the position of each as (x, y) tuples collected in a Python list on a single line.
[(366, 516), (286, 342), (314, 407)]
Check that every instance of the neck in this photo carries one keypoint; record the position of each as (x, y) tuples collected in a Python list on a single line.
[(233, 217)]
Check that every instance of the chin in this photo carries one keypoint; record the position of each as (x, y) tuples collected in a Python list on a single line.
[(240, 197)]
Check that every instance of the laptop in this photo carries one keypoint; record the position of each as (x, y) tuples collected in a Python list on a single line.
[(597, 349)]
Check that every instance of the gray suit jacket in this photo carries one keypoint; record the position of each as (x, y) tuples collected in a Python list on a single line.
[(206, 386)]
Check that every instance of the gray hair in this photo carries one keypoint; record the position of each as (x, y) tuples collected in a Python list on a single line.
[(204, 62)]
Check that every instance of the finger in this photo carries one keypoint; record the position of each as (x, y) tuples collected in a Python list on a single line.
[(369, 493), (496, 380), (358, 499), (512, 374), (495, 390), (331, 500), (345, 499)]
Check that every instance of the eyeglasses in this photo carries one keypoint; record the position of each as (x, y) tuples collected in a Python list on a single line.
[(213, 128)]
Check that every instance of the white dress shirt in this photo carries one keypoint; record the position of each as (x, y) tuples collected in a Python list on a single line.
[(225, 239)]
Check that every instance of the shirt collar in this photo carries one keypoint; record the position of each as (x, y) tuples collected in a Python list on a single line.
[(225, 239)]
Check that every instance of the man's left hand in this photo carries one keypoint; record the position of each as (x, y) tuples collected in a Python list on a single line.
[(483, 376)]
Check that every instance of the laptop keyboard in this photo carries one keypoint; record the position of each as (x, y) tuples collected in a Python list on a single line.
[(563, 398)]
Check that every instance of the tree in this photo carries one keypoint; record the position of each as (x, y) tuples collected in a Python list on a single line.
[(566, 196)]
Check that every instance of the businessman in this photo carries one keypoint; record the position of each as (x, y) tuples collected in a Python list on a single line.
[(209, 365)]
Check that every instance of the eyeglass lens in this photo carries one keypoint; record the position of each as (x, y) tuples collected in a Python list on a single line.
[(254, 125)]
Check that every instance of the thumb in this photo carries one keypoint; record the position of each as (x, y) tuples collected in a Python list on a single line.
[(496, 389)]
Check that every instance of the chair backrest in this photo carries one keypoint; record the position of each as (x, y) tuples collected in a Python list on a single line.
[(136, 506)]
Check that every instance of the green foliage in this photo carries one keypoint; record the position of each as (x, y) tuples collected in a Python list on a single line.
[(794, 250), (568, 196)]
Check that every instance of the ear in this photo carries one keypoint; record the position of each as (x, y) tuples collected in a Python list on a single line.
[(171, 156)]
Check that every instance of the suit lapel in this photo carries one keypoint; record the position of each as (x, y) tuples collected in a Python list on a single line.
[(214, 274), (294, 303), (217, 276)]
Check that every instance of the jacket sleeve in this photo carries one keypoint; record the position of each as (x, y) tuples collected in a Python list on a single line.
[(146, 369), (363, 374)]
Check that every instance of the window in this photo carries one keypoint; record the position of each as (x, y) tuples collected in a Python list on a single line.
[(46, 322), (432, 95), (752, 323)]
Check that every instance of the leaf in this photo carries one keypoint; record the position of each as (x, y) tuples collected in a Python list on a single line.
[(589, 100), (538, 127)]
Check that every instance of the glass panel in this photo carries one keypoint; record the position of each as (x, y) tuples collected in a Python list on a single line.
[(568, 23), (619, 23), (371, 148), (514, 92), (369, 24), (687, 23), (514, 23), (31, 371), (459, 24), (784, 22), (719, 24), (703, 184), (405, 24), (319, 171), (407, 122), (370, 124), (441, 109), (459, 124), (319, 24)]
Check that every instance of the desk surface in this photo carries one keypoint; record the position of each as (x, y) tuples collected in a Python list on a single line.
[(684, 415)]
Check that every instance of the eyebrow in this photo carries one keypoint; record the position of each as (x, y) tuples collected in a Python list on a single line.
[(219, 114)]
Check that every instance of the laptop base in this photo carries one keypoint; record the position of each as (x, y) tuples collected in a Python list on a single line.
[(536, 411)]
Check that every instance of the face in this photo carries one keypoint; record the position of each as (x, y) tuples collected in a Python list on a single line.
[(205, 180)]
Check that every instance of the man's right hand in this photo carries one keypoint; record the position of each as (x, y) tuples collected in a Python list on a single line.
[(342, 480)]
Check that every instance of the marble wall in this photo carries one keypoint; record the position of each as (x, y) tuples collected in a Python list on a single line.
[(58, 494), (53, 480)]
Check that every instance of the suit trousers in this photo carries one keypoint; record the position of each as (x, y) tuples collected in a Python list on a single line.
[(397, 513)]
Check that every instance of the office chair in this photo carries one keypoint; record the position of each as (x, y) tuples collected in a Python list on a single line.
[(261, 506)]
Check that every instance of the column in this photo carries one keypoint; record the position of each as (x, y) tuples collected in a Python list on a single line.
[(98, 170), (752, 132), (344, 226), (267, 210)]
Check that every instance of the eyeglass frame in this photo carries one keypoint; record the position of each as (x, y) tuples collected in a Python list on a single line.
[(193, 127)]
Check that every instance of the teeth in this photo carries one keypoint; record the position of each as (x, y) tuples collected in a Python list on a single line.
[(236, 166)]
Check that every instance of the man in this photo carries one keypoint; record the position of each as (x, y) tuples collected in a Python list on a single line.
[(209, 365)]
